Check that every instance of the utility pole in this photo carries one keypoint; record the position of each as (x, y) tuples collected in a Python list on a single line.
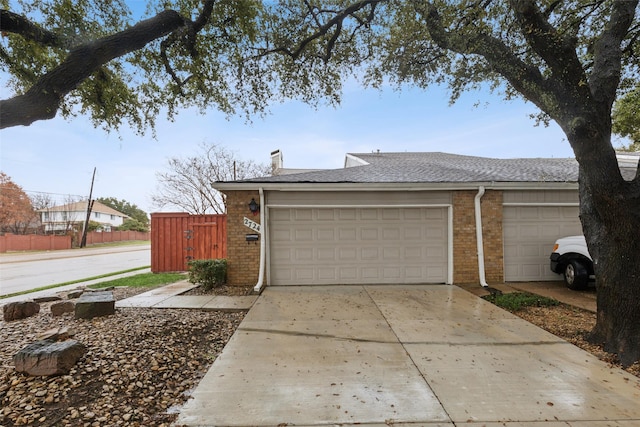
[(83, 241)]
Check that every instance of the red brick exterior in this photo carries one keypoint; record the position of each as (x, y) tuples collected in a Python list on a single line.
[(243, 258), (465, 253), (491, 204), (465, 249)]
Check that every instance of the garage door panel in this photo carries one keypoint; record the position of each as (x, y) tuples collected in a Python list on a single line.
[(351, 245), (391, 233), (370, 254), (303, 235), (326, 215), (326, 255), (347, 234), (303, 214), (326, 234), (348, 254), (327, 273), (347, 274), (391, 254), (369, 234), (346, 214), (390, 214)]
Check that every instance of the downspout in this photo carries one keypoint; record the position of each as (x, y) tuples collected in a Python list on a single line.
[(263, 244), (479, 242)]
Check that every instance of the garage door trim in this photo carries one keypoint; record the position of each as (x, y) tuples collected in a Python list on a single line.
[(448, 206)]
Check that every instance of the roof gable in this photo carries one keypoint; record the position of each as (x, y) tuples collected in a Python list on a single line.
[(82, 207)]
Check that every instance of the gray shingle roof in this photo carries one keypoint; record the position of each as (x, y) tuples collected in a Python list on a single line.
[(437, 168)]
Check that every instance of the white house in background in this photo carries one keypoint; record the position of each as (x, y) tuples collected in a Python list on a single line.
[(62, 218)]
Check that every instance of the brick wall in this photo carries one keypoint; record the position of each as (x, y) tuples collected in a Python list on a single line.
[(465, 253), (491, 204), (243, 257), (465, 250)]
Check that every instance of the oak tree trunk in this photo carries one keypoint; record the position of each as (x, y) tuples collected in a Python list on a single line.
[(610, 215)]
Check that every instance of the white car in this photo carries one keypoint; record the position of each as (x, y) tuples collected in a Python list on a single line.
[(571, 258)]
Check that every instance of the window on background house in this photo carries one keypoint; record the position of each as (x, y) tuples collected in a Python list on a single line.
[(97, 214), (45, 216), (113, 217)]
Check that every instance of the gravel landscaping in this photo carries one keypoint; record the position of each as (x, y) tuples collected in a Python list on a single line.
[(139, 368), (141, 364)]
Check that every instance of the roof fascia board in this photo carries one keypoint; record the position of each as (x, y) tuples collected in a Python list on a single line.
[(447, 186)]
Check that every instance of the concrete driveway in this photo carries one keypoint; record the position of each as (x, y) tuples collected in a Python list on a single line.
[(431, 355)]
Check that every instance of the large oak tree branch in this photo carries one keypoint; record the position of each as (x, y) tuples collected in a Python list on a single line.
[(13, 23), (557, 51), (334, 23), (605, 75), (43, 99), (525, 78)]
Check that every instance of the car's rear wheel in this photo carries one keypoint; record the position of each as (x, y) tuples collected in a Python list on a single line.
[(576, 276)]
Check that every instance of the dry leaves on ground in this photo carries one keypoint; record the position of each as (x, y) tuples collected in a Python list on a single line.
[(572, 324)]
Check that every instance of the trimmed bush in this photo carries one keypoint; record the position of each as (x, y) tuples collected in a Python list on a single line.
[(209, 273)]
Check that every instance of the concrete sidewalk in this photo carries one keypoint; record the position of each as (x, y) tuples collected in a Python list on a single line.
[(431, 355), (170, 296)]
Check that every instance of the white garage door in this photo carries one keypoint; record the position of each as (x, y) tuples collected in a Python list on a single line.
[(357, 245), (529, 233)]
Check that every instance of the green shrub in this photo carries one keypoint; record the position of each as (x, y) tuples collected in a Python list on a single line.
[(209, 273), (518, 300)]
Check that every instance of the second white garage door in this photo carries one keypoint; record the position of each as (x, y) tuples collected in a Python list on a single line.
[(529, 234), (357, 245)]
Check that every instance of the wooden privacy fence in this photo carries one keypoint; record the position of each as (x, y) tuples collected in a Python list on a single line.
[(177, 237), (115, 236), (33, 242), (36, 242)]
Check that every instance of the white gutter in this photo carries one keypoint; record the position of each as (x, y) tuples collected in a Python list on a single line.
[(481, 273), (263, 245)]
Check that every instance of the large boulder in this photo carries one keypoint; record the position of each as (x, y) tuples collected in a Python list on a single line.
[(48, 357), (59, 308), (95, 304), (19, 310)]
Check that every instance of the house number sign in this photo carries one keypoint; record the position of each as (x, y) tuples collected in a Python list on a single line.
[(252, 225)]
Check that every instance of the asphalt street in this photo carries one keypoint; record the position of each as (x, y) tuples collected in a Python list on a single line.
[(24, 271)]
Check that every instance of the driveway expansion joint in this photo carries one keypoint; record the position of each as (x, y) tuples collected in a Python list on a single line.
[(315, 335)]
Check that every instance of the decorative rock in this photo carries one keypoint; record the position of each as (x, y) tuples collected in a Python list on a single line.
[(47, 298), (56, 334), (75, 294), (20, 310), (47, 357), (95, 304), (59, 308)]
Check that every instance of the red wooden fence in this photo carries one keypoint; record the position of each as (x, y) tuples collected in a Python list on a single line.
[(36, 242), (115, 236), (177, 237), (33, 242)]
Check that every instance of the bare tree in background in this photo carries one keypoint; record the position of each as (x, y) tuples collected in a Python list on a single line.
[(186, 184)]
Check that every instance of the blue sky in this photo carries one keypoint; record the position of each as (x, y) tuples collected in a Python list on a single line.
[(58, 156)]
